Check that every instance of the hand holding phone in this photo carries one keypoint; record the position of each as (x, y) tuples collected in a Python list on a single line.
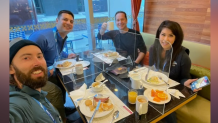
[(200, 83)]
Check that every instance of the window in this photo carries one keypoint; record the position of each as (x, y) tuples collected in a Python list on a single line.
[(38, 6), (27, 16)]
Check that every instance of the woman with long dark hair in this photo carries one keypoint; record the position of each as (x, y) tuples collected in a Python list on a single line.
[(169, 37)]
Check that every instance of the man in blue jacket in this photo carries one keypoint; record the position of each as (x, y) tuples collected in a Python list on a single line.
[(53, 44)]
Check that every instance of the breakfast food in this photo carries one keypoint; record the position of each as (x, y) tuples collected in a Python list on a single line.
[(65, 64), (120, 70), (105, 105), (95, 84), (158, 95), (59, 65), (88, 102), (111, 54), (153, 80), (104, 100), (92, 108)]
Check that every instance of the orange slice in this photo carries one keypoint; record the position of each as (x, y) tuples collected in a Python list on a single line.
[(159, 91), (162, 96), (156, 99), (153, 93)]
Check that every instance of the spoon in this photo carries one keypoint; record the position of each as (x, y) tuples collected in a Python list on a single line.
[(115, 116), (102, 83)]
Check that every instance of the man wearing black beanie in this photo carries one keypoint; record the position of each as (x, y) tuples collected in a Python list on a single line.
[(28, 74)]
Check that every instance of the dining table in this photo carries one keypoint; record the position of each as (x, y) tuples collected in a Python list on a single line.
[(120, 87)]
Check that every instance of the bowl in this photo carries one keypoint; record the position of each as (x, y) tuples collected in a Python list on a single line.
[(94, 87)]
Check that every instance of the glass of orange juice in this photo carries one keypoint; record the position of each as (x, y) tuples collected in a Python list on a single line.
[(132, 94)]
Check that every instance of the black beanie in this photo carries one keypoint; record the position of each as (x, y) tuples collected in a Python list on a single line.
[(15, 46)]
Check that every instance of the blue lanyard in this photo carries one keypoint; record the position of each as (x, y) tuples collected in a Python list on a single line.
[(56, 40), (45, 109)]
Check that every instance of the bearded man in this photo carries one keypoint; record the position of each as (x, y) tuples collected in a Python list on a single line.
[(28, 74)]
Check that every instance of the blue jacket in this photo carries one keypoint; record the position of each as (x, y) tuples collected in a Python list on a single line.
[(46, 40), (24, 109)]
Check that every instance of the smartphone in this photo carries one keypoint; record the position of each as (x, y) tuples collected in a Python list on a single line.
[(200, 83)]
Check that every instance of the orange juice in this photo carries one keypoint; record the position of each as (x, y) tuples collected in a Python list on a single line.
[(132, 94)]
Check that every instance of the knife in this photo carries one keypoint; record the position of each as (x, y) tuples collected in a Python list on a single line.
[(86, 98), (99, 102), (146, 78)]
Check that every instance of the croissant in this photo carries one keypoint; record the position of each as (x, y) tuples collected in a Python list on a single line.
[(66, 64)]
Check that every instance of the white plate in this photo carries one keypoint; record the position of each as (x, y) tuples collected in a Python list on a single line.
[(84, 63), (86, 110), (147, 93), (73, 61), (111, 57), (154, 74)]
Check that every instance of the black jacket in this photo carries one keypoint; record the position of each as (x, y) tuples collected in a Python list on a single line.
[(180, 71)]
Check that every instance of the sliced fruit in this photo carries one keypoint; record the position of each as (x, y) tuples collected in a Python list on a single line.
[(159, 91), (157, 96), (156, 99), (153, 93), (162, 96)]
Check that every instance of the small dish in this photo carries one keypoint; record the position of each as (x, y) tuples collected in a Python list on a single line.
[(94, 87)]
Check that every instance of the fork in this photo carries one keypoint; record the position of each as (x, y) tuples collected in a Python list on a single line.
[(163, 80)]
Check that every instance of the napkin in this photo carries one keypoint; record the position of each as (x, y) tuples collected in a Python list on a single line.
[(176, 93), (80, 93), (100, 78)]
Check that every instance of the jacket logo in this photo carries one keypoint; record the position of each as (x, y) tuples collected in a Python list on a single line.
[(174, 63)]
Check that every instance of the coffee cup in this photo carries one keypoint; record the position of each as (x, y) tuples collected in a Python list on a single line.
[(79, 69), (136, 82), (110, 25), (141, 104)]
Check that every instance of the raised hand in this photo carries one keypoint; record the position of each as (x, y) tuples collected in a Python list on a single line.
[(103, 28)]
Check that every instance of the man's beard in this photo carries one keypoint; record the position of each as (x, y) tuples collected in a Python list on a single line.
[(26, 79)]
